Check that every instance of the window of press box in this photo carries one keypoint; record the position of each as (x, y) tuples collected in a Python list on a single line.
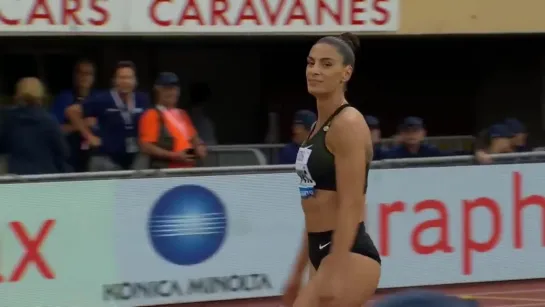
[(440, 79)]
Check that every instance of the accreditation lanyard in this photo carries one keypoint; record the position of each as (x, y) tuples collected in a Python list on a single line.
[(125, 109)]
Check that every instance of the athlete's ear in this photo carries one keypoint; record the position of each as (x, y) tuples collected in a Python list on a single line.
[(347, 74)]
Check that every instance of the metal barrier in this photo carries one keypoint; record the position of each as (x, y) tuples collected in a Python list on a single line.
[(457, 143), (530, 157), (228, 156)]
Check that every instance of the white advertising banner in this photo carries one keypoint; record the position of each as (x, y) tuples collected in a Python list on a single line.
[(192, 17), (225, 237), (205, 238), (459, 224), (142, 242), (56, 244)]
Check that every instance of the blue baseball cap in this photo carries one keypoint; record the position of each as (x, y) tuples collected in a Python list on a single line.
[(304, 117), (515, 125), (372, 122), (499, 131), (423, 298), (167, 79), (412, 122)]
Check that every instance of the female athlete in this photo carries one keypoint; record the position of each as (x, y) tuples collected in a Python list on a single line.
[(333, 165)]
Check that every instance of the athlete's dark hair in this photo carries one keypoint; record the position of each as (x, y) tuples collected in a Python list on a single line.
[(347, 44)]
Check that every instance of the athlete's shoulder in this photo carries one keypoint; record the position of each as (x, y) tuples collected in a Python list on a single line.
[(350, 125), (350, 118)]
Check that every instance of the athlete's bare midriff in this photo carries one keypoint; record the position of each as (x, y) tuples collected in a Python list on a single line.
[(321, 211)]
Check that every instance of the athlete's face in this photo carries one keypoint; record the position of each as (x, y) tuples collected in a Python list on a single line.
[(326, 72)]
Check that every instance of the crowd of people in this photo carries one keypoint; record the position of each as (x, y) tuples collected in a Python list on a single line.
[(93, 130), (122, 128), (505, 137)]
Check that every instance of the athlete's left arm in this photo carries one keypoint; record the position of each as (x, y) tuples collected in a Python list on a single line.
[(347, 140)]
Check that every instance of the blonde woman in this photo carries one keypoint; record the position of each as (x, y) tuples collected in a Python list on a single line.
[(29, 135)]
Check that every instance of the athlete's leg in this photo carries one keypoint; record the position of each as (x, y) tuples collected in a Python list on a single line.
[(307, 297), (360, 279)]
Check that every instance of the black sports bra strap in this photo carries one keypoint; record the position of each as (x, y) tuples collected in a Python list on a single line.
[(310, 133), (330, 119), (327, 122)]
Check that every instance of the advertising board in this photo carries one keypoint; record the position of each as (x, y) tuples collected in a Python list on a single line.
[(458, 224), (226, 237), (191, 17), (204, 238), (55, 243), (142, 242)]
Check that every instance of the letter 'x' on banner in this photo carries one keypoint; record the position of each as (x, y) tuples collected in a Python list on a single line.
[(32, 253)]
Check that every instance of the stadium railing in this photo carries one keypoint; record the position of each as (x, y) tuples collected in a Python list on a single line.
[(530, 157), (457, 143)]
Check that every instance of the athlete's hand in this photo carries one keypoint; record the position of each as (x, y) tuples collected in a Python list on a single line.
[(291, 290)]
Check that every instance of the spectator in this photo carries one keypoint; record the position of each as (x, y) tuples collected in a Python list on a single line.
[(494, 140), (117, 112), (520, 136), (84, 77), (412, 135), (302, 124), (29, 135), (374, 126), (199, 94), (166, 133)]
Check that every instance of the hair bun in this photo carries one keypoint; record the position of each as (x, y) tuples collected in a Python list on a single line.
[(352, 40)]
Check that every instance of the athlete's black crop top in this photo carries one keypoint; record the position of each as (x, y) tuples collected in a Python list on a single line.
[(315, 164)]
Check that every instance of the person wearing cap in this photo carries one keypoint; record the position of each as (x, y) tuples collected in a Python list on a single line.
[(412, 133), (520, 136), (374, 126), (117, 112), (302, 124), (496, 139), (166, 133)]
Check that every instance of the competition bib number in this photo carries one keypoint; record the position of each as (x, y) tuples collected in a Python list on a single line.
[(306, 186)]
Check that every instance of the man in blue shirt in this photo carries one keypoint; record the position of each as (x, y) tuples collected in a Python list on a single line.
[(302, 123), (117, 112), (84, 77), (412, 136)]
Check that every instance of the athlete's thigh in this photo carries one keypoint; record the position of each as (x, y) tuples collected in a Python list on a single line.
[(360, 278), (308, 296)]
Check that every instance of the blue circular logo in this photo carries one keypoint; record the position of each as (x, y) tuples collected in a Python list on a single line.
[(187, 225)]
